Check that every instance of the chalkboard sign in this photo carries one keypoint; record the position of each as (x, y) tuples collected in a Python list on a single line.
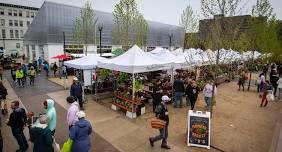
[(198, 132)]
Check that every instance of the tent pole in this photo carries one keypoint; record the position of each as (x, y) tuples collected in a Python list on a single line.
[(172, 82), (133, 90)]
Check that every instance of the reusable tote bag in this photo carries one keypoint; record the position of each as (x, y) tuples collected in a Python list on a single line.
[(67, 146)]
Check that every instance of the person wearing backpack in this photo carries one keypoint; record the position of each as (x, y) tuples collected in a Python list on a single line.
[(17, 121), (267, 89)]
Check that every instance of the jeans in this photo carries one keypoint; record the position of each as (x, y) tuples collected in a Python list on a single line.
[(19, 135), (163, 135), (79, 101), (208, 101), (192, 101), (178, 97), (187, 101)]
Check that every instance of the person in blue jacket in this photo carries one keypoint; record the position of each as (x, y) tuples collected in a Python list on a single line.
[(51, 114), (80, 134), (76, 91)]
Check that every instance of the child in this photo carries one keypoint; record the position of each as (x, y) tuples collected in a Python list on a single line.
[(267, 89)]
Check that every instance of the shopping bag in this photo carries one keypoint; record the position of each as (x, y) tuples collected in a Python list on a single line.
[(67, 146), (56, 146), (270, 97), (157, 123)]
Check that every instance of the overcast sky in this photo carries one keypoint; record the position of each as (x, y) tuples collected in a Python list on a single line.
[(165, 11)]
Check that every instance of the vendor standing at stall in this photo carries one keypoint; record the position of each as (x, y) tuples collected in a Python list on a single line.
[(157, 94)]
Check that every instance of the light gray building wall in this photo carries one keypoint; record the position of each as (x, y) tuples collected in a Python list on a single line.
[(53, 19)]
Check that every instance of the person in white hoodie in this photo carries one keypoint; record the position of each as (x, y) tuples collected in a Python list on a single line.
[(280, 88), (208, 90), (72, 111)]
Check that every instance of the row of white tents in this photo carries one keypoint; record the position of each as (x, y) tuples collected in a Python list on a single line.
[(135, 60)]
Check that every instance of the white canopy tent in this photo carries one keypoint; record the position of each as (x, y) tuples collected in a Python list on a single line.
[(156, 50), (86, 62), (133, 61)]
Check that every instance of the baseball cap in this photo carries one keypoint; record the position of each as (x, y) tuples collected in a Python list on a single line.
[(165, 98)]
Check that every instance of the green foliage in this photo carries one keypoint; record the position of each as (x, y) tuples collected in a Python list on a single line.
[(138, 86), (118, 51), (201, 84), (103, 73), (130, 26), (189, 20), (84, 26), (123, 77)]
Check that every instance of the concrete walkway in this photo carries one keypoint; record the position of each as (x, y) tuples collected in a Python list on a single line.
[(33, 97)]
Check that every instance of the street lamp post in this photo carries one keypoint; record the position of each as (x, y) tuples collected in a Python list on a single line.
[(100, 30), (64, 40), (170, 37)]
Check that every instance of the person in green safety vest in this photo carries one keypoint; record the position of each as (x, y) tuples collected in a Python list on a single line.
[(31, 74), (19, 77)]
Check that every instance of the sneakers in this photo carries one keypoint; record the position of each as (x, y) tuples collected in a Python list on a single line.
[(151, 142), (165, 146)]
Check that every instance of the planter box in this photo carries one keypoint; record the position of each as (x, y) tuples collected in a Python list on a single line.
[(131, 115), (114, 107), (143, 111)]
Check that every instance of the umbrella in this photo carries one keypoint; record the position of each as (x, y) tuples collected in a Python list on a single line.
[(61, 57)]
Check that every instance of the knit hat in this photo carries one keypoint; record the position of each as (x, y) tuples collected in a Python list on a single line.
[(80, 114)]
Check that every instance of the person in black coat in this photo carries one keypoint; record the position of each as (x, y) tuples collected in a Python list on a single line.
[(76, 91), (157, 94), (192, 92), (162, 113), (273, 80), (179, 90), (17, 121)]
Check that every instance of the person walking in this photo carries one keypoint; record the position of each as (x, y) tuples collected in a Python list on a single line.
[(55, 69), (41, 136), (162, 113), (72, 111), (3, 95), (19, 77), (65, 74), (39, 61), (17, 121), (267, 89), (280, 87), (179, 90), (46, 68), (13, 73), (34, 64), (51, 114), (192, 92), (1, 72), (32, 74), (157, 94), (25, 72), (242, 79), (76, 91), (273, 80), (260, 82), (208, 91), (80, 134)]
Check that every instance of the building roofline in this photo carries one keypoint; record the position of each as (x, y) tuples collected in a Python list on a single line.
[(18, 6), (107, 13), (226, 17)]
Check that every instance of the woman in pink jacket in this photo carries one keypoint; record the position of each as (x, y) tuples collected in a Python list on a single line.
[(73, 109)]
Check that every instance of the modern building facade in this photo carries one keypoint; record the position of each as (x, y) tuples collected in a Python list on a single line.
[(45, 38), (14, 22)]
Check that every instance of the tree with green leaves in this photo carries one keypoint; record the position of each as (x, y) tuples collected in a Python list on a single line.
[(262, 34), (130, 27), (223, 32), (84, 26), (190, 22)]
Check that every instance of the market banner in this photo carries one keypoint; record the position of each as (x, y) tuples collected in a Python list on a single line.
[(198, 133)]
